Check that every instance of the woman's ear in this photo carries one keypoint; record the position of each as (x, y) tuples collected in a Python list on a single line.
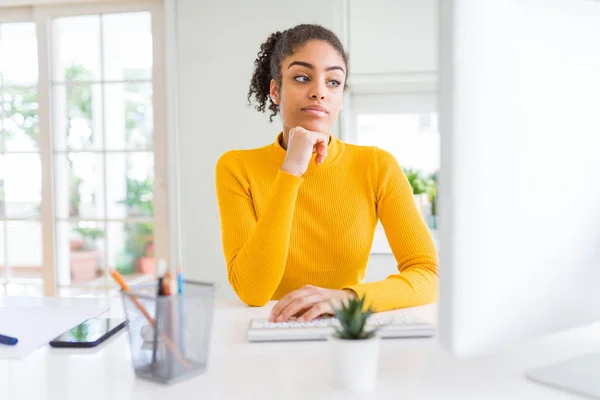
[(274, 92)]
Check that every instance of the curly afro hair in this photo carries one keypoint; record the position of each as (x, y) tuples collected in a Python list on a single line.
[(278, 46)]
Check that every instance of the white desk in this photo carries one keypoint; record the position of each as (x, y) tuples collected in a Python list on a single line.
[(409, 369)]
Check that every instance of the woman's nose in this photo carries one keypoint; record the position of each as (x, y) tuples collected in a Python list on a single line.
[(318, 92)]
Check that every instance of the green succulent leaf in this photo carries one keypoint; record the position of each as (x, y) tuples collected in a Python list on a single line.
[(353, 316)]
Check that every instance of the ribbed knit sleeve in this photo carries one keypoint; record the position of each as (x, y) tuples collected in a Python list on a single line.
[(255, 249), (409, 238)]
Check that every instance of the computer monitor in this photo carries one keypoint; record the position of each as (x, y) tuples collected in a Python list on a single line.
[(520, 171)]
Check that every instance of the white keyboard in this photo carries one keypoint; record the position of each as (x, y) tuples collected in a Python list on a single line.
[(391, 325)]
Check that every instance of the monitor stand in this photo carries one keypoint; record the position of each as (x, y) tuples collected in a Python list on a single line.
[(579, 375)]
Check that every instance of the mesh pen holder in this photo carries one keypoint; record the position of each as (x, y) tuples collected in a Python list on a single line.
[(169, 336)]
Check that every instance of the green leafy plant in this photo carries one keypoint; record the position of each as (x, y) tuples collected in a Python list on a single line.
[(417, 181), (139, 197), (432, 192), (88, 235), (139, 235), (353, 319), (79, 105), (20, 106)]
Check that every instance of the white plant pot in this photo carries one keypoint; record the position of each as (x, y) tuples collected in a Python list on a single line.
[(355, 363)]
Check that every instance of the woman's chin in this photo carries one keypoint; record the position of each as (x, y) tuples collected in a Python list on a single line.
[(315, 126)]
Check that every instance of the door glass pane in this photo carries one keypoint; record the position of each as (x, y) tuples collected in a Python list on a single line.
[(24, 251), (77, 110), (22, 185), (2, 190), (130, 179), (129, 116), (103, 115), (20, 120), (1, 124), (76, 47), (131, 247), (18, 54), (127, 46), (2, 251), (79, 186)]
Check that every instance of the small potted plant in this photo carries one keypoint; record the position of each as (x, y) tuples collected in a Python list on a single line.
[(432, 194), (419, 185), (85, 257), (355, 347)]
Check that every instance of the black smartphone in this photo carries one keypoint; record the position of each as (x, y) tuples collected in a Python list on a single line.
[(89, 333)]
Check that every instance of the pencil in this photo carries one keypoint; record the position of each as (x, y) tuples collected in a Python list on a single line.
[(117, 277)]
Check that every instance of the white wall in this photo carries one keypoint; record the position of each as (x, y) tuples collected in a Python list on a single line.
[(393, 36), (217, 46)]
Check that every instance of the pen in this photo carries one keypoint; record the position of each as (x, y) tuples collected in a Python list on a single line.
[(179, 280), (180, 316), (8, 340)]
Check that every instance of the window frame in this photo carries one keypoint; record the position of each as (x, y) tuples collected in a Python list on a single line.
[(41, 13)]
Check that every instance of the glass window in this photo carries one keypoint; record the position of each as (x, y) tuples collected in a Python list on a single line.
[(407, 127), (100, 112), (103, 123), (20, 162)]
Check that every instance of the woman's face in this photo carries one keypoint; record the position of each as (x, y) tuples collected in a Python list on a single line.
[(312, 87)]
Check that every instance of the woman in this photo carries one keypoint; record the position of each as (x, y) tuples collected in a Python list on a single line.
[(298, 216)]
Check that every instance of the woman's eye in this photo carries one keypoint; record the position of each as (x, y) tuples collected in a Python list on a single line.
[(335, 83), (301, 78)]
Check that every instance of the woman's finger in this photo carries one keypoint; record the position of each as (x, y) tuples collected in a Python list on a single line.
[(320, 147), (297, 305), (287, 299), (299, 313), (322, 144), (315, 311), (281, 304)]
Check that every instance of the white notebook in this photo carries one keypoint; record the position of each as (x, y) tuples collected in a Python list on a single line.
[(36, 321)]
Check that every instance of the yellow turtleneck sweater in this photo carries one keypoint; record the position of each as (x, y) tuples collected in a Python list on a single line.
[(281, 232)]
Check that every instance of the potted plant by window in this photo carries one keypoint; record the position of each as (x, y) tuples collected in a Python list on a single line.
[(137, 255), (432, 194), (355, 348), (85, 257), (419, 187)]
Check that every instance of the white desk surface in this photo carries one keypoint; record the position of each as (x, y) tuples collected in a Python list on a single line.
[(408, 368)]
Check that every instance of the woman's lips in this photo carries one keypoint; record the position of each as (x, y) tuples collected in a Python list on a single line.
[(315, 111)]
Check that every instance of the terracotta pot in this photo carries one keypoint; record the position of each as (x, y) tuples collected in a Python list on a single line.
[(84, 265), (147, 265)]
